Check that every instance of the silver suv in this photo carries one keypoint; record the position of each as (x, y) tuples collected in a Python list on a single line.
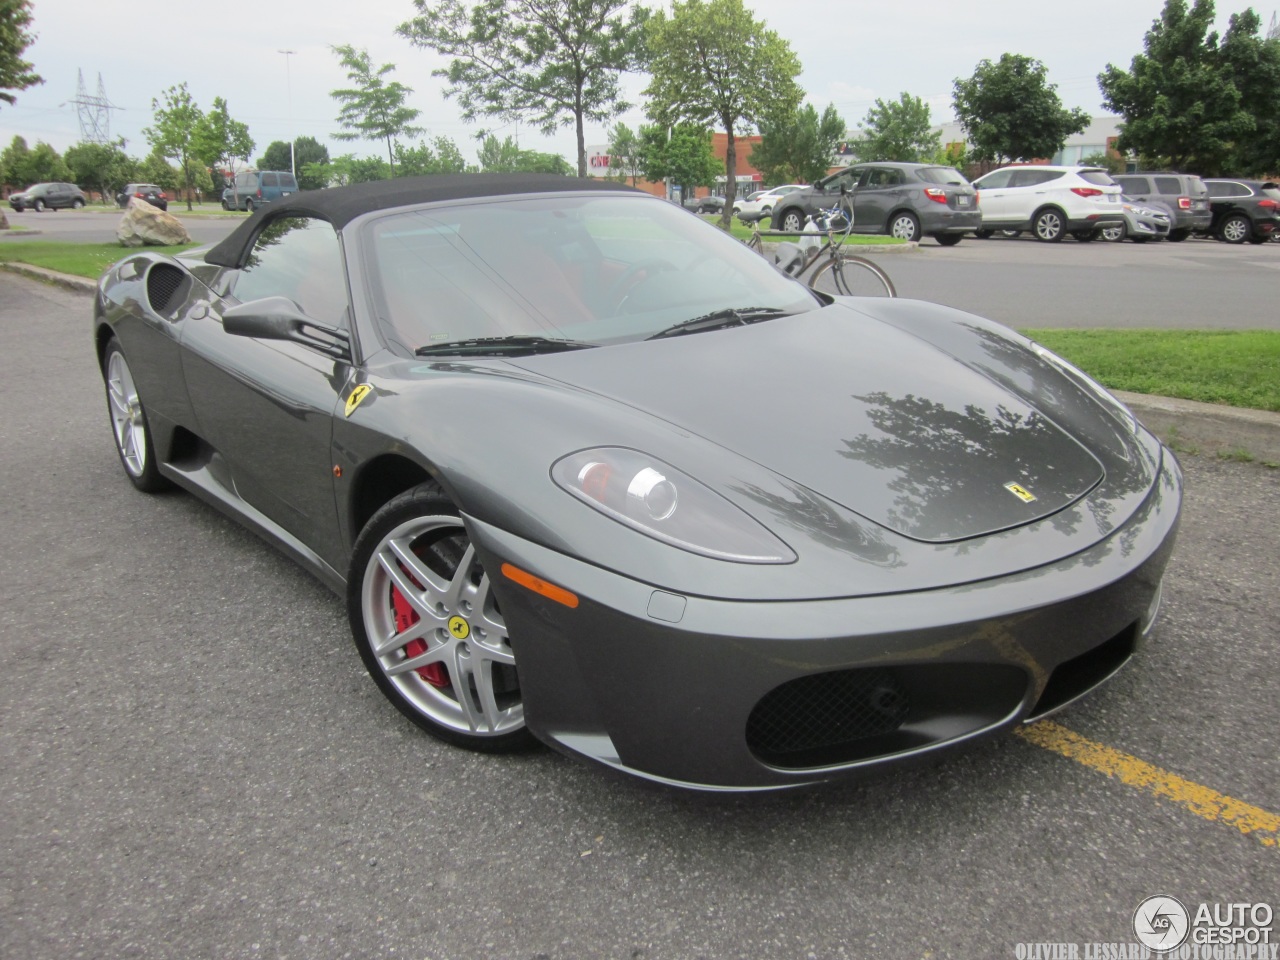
[(1184, 194), (1049, 201)]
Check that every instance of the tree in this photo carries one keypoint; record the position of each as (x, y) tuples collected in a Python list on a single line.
[(626, 153), (307, 150), (1010, 112), (441, 156), (1176, 101), (156, 169), (798, 147), (1252, 62), (1108, 162), (505, 156), (174, 132), (346, 169), (15, 73), (900, 130), (103, 166), (220, 142), (714, 63), (684, 155), (373, 108), (553, 63), (22, 166)]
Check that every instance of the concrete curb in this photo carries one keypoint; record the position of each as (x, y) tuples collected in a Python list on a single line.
[(65, 280), (861, 249), (1186, 425)]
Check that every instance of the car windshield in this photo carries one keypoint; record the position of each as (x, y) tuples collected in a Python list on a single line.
[(591, 269)]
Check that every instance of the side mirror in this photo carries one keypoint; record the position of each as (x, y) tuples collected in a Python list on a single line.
[(279, 318)]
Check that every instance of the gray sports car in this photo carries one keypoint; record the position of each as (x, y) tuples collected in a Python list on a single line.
[(588, 470)]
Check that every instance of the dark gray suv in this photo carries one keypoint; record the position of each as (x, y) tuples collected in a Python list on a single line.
[(47, 196), (1184, 194), (904, 200)]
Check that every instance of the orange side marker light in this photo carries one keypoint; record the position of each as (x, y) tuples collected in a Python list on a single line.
[(539, 586)]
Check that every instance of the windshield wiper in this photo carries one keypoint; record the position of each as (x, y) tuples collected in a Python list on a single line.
[(719, 319), (502, 346)]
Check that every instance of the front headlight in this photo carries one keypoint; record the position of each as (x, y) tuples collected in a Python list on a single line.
[(661, 502)]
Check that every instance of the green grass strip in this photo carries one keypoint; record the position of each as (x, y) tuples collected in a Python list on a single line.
[(78, 259), (1239, 368)]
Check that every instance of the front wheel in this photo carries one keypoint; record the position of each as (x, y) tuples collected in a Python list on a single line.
[(1114, 234), (428, 627), (129, 423), (849, 276), (77, 203), (38, 206), (1049, 226)]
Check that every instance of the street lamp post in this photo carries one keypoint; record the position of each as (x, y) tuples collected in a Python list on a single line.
[(288, 79)]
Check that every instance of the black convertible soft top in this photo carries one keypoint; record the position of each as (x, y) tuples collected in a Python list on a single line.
[(341, 205)]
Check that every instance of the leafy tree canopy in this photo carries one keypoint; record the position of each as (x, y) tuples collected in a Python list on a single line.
[(220, 141), (440, 156), (1208, 106), (373, 108), (713, 63), (798, 147), (174, 133), (626, 153), (22, 165), (347, 168), (505, 156), (553, 63), (156, 169), (1010, 111), (15, 37), (684, 155), (101, 166), (899, 130)]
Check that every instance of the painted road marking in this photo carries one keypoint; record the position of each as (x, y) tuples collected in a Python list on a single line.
[(1203, 802)]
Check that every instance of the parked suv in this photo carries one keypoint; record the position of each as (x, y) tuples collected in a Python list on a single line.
[(1050, 201), (50, 195), (256, 188), (1244, 209), (143, 191), (1184, 194), (904, 200)]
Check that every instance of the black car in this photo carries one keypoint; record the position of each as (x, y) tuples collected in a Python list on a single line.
[(1184, 194), (904, 200), (51, 196), (143, 191), (711, 204), (1244, 209)]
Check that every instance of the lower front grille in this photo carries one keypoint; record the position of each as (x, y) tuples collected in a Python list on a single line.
[(1081, 674)]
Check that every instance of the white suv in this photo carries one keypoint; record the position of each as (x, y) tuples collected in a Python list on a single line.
[(1049, 201), (760, 205)]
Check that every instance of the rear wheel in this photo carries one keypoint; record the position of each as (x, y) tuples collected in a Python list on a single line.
[(1085, 236), (792, 221), (904, 226), (428, 627), (248, 205), (1235, 229), (949, 239), (129, 423), (1177, 236), (1049, 225)]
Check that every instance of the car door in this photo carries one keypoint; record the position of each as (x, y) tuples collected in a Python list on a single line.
[(268, 405), (878, 193), (993, 197)]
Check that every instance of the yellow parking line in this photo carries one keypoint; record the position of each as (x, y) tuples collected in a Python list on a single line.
[(1200, 800)]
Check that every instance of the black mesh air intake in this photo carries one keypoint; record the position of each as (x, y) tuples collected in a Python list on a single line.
[(163, 281)]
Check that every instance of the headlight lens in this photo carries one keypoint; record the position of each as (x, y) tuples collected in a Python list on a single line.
[(661, 502)]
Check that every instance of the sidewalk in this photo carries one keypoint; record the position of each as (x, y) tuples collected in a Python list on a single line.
[(1187, 426)]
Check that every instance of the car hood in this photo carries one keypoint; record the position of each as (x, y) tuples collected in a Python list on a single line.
[(861, 411)]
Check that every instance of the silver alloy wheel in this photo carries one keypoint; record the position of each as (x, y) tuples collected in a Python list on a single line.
[(130, 426), (1113, 234), (904, 227), (457, 626), (1049, 226), (791, 222), (1236, 230)]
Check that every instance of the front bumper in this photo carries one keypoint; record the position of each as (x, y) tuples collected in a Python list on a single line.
[(701, 692)]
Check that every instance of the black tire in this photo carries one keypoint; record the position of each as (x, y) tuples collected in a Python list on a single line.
[(1258, 240), (38, 206), (983, 234), (1049, 225), (226, 205), (19, 208), (1237, 228), (1139, 239), (849, 276), (77, 203), (1177, 236), (791, 220), (248, 206), (1085, 236), (129, 425), (413, 559), (904, 225), (949, 239)]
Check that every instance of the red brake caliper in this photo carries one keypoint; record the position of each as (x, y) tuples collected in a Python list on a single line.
[(406, 617)]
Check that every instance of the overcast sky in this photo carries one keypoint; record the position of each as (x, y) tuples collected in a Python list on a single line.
[(852, 52)]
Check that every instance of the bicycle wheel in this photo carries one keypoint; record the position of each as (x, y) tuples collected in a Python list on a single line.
[(849, 276)]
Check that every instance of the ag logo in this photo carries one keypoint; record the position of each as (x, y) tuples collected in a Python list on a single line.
[(360, 391), (1161, 923), (459, 628)]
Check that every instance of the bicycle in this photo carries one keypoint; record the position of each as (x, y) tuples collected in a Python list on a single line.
[(841, 273)]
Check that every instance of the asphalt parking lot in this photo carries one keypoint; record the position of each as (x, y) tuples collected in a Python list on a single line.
[(193, 763)]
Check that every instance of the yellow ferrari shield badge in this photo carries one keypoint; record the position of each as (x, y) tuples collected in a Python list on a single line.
[(361, 391), (459, 628), (1021, 492)]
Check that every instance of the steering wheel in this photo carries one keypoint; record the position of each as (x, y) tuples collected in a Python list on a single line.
[(620, 289)]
